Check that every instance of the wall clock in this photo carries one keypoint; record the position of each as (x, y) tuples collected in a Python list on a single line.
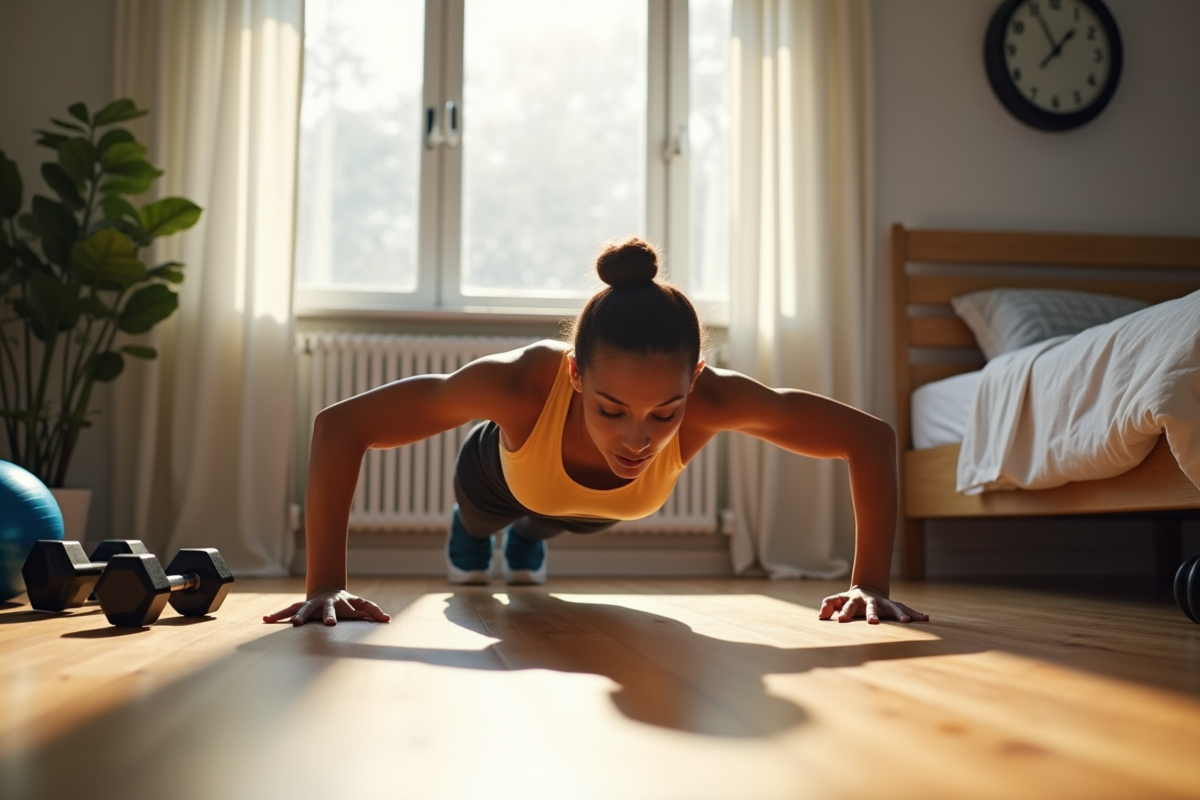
[(1054, 64)]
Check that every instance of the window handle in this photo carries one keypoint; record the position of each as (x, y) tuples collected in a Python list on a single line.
[(451, 136), (433, 136), (677, 145)]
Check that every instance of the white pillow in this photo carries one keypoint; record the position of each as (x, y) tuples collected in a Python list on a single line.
[(1004, 320)]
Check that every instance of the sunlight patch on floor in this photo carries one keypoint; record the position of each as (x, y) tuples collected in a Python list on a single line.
[(757, 617)]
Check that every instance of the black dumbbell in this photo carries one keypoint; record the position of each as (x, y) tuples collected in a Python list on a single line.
[(1187, 588), (134, 589), (59, 576)]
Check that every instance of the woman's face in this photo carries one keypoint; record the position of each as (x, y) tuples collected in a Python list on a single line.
[(633, 404)]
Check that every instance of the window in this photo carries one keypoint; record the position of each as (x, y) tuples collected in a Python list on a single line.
[(463, 154)]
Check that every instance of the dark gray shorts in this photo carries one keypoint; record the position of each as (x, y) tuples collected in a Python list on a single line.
[(485, 503)]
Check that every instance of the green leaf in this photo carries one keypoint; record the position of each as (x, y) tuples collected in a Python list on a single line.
[(124, 185), (79, 111), (50, 139), (169, 272), (167, 216), (122, 153), (27, 256), (125, 226), (106, 366), (71, 126), (42, 298), (11, 189), (116, 208), (57, 227), (78, 158), (136, 168), (93, 306), (53, 304), (137, 351), (115, 136), (108, 255), (146, 308), (119, 111), (63, 185)]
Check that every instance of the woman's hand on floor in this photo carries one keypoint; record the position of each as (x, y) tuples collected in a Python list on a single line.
[(860, 601), (330, 606)]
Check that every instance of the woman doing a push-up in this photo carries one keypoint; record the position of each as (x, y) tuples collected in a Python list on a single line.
[(579, 435)]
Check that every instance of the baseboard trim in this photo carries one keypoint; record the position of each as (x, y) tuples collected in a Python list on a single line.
[(566, 562)]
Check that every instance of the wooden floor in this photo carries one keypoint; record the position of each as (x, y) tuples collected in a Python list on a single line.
[(608, 689)]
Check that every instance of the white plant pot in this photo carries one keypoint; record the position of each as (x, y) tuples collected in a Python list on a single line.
[(74, 504)]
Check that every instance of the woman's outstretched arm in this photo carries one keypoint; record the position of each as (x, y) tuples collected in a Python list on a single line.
[(397, 414), (812, 425)]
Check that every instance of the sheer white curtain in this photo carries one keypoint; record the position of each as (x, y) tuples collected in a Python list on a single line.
[(203, 434), (801, 250)]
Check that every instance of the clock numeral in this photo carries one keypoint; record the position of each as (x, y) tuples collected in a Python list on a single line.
[(1033, 92), (1017, 75), (1012, 50), (1077, 13), (1034, 9), (1099, 55), (1055, 5), (1091, 33), (1078, 97), (1054, 101), (1018, 27), (1091, 80)]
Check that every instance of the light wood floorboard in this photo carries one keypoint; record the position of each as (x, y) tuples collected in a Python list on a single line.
[(608, 689)]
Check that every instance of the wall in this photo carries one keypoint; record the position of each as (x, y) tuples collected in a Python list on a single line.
[(949, 155), (54, 53)]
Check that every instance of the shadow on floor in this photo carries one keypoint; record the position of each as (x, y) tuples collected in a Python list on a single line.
[(668, 675)]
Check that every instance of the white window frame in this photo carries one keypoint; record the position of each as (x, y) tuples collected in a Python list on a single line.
[(439, 257)]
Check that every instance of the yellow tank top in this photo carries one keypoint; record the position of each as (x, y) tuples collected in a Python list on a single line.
[(537, 478)]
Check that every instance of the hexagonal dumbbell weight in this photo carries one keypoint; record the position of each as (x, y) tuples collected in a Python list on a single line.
[(59, 576), (134, 589)]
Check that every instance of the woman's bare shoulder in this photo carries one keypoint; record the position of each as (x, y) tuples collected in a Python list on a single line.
[(716, 387), (520, 382), (531, 363), (523, 374), (723, 397)]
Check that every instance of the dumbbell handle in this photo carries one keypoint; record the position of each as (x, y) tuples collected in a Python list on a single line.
[(184, 582)]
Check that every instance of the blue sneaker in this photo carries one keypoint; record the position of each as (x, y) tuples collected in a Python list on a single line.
[(524, 559), (468, 558)]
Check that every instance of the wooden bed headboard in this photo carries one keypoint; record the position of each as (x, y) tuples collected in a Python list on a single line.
[(946, 336)]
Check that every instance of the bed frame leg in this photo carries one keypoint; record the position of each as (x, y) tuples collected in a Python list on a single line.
[(912, 550)]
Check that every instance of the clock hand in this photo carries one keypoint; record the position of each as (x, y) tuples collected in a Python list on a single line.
[(1058, 47), (1038, 16)]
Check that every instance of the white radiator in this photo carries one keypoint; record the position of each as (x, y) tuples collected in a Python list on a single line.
[(411, 488)]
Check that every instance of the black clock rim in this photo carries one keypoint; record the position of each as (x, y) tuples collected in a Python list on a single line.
[(1011, 97)]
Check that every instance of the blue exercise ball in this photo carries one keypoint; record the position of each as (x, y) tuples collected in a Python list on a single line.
[(28, 512)]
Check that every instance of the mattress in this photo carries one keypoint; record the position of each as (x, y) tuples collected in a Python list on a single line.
[(940, 410)]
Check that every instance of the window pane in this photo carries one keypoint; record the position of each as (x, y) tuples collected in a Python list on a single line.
[(360, 144), (709, 32), (554, 140)]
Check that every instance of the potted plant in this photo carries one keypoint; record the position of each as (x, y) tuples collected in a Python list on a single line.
[(73, 280)]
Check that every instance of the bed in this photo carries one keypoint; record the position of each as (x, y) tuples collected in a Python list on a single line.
[(932, 345)]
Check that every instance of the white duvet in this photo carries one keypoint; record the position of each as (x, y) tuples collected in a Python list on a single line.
[(1088, 406)]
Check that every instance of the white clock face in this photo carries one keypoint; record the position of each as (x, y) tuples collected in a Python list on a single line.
[(1058, 54)]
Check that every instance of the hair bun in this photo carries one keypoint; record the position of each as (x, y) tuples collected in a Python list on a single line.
[(629, 263)]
